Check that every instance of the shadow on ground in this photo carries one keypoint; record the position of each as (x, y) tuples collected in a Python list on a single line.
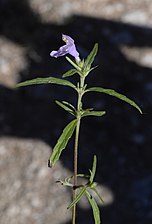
[(121, 139)]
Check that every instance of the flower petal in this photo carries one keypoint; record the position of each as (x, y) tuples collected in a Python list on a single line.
[(68, 48), (72, 50), (61, 52), (67, 39)]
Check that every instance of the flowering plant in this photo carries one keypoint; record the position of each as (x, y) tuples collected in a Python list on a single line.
[(82, 68)]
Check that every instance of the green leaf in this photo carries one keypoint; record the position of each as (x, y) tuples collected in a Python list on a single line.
[(96, 211), (69, 73), (77, 199), (65, 107), (112, 92), (93, 171), (95, 190), (62, 142), (83, 175), (49, 80), (81, 63), (93, 113), (68, 104), (73, 63), (78, 175), (91, 56)]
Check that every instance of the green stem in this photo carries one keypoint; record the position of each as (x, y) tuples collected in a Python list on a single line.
[(79, 105), (75, 169)]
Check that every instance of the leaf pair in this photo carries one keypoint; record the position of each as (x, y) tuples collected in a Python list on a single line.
[(85, 190), (84, 113), (52, 80)]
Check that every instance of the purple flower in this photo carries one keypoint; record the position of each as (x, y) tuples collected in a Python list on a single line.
[(68, 48)]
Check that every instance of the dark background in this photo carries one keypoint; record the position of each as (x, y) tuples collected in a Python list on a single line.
[(121, 139)]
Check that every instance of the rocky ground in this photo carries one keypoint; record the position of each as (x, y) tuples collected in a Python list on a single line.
[(30, 122)]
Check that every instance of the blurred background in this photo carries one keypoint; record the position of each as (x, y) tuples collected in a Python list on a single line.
[(31, 122)]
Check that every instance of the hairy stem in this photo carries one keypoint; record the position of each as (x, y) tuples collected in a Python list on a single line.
[(75, 169), (79, 105)]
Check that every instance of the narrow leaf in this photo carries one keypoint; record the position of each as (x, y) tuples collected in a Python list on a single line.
[(62, 142), (65, 107), (49, 80), (79, 175), (96, 211), (91, 56), (112, 92), (95, 190), (83, 175), (77, 199), (73, 63), (69, 73), (93, 171), (93, 113), (68, 104)]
